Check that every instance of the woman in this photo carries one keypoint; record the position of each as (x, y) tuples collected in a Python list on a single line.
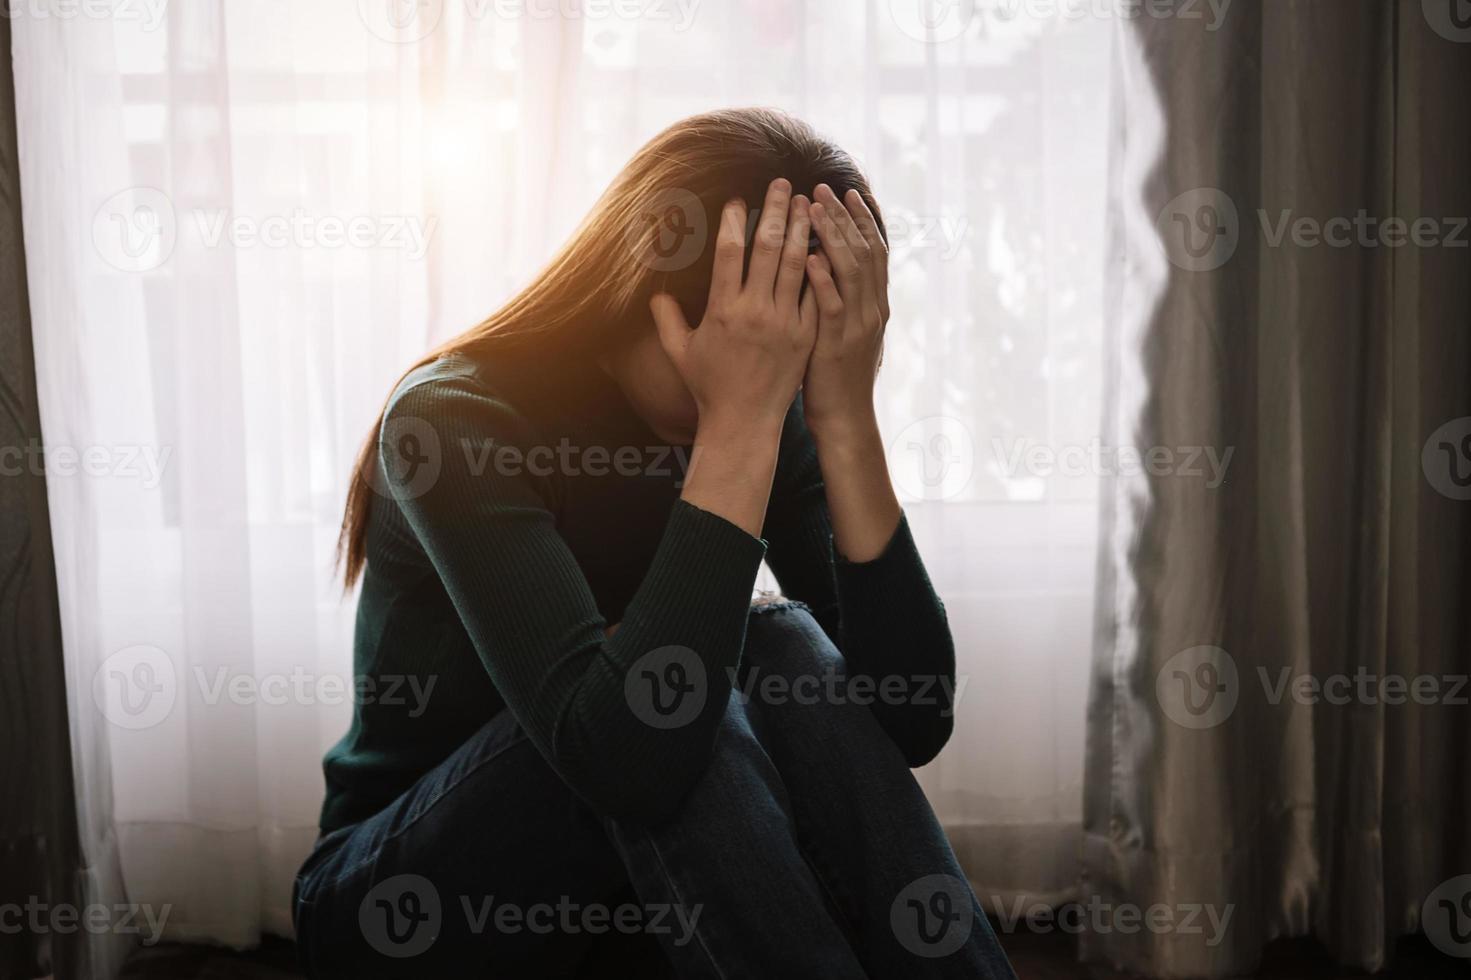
[(563, 789)]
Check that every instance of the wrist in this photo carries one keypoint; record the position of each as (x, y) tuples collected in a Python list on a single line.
[(738, 428), (858, 427)]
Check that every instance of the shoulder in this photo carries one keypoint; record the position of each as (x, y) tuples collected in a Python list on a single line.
[(451, 394), (449, 431)]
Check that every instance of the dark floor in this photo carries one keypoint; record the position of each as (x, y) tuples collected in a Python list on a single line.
[(1036, 957)]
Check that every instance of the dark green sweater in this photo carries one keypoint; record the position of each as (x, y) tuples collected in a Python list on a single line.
[(519, 513)]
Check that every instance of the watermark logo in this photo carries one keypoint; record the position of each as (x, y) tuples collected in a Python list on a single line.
[(911, 233), (1026, 458), (1451, 19), (669, 231), (145, 464), (135, 230), (147, 14), (570, 918), (933, 916), (834, 687), (400, 21), (939, 21), (932, 21), (136, 687), (401, 916), (666, 688), (138, 230), (1446, 459), (567, 458), (933, 458), (1364, 687), (124, 919), (410, 458), (1446, 917), (1101, 918), (1199, 687), (1200, 229)]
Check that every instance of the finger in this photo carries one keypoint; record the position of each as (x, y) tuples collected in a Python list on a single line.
[(843, 263), (793, 256), (808, 314), (674, 330), (771, 232), (849, 275), (829, 300), (730, 253), (868, 227)]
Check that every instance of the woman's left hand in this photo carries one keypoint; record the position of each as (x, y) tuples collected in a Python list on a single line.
[(849, 297)]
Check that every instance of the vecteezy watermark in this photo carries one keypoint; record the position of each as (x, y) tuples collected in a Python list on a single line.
[(1200, 687), (408, 21), (932, 458), (1446, 459), (1024, 456), (148, 14), (1446, 917), (403, 916), (938, 21), (1201, 230), (567, 458), (1451, 19), (669, 231), (411, 459), (1364, 687), (837, 688), (143, 463), (122, 919), (1099, 917), (933, 916), (666, 688), (138, 228), (138, 687), (911, 232)]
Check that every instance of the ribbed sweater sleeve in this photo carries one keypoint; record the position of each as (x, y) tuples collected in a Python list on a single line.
[(884, 614), (628, 721)]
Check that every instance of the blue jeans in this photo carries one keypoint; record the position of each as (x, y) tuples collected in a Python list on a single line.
[(805, 850)]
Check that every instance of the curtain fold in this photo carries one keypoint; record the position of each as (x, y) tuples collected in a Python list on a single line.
[(1255, 744), (38, 820)]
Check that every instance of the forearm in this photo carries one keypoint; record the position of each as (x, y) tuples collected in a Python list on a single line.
[(894, 630), (731, 468), (860, 496), (893, 625)]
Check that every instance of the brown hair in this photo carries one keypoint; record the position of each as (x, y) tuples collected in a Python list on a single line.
[(597, 287)]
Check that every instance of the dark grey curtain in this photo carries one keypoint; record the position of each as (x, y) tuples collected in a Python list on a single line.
[(38, 830), (1336, 368)]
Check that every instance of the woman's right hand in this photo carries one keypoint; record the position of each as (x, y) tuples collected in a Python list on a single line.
[(745, 361)]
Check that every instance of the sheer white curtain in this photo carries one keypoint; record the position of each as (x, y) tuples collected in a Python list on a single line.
[(243, 220)]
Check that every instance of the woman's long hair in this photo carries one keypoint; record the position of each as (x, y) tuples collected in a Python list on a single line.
[(653, 230)]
